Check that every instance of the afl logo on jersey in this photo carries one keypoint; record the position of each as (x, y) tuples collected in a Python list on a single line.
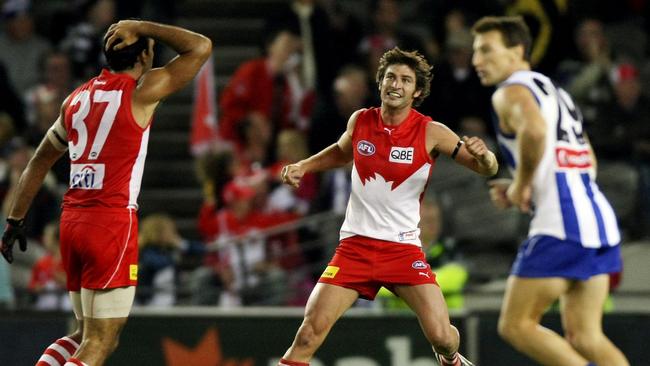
[(419, 265), (365, 148)]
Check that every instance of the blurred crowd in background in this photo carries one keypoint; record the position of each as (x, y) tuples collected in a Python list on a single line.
[(257, 242)]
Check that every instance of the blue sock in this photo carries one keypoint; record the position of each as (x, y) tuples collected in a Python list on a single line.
[(591, 364)]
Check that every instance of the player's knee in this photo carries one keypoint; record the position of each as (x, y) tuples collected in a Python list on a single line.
[(510, 330), (312, 331), (444, 339), (584, 342)]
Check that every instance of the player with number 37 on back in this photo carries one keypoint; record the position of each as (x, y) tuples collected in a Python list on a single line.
[(104, 124)]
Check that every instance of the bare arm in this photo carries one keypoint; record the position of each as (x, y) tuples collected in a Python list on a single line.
[(193, 50), (518, 112), (470, 152), (333, 156)]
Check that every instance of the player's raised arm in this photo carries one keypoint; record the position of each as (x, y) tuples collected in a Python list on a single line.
[(333, 156), (193, 50), (468, 151), (520, 114)]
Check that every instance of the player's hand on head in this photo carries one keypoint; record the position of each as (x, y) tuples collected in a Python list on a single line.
[(291, 175), (520, 196), (498, 190), (15, 230), (122, 34)]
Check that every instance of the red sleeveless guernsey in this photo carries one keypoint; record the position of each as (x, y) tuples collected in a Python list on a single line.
[(390, 173), (107, 147)]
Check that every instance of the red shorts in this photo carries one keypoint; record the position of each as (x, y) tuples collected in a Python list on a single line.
[(99, 247), (365, 265)]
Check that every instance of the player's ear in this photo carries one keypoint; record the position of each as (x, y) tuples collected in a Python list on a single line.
[(417, 93), (519, 51)]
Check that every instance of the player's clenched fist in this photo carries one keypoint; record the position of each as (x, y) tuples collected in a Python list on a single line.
[(498, 189), (291, 174), (477, 148)]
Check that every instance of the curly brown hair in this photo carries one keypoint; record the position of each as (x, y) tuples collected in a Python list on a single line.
[(417, 62)]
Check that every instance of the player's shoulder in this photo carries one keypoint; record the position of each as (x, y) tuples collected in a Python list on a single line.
[(521, 86), (435, 128), (524, 77), (363, 114)]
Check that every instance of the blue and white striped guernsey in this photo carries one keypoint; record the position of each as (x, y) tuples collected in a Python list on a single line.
[(567, 202)]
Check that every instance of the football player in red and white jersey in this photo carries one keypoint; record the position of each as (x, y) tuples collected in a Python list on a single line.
[(393, 149), (104, 124)]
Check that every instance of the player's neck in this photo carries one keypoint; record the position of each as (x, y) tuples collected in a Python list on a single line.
[(394, 116), (520, 66), (134, 72)]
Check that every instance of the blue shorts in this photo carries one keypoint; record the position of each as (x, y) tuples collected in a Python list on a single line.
[(546, 256)]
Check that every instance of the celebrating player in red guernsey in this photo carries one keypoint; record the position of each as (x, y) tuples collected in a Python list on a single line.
[(393, 149), (104, 124)]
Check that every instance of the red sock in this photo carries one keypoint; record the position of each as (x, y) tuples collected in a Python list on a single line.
[(58, 352), (284, 362), (74, 362)]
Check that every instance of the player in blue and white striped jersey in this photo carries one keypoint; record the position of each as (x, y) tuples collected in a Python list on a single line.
[(573, 240)]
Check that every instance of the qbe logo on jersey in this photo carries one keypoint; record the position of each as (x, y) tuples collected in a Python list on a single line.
[(402, 155), (86, 176)]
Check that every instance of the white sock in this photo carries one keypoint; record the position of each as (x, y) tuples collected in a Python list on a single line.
[(58, 352)]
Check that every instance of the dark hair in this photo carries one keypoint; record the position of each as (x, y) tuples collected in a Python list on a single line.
[(125, 58), (416, 62), (514, 31)]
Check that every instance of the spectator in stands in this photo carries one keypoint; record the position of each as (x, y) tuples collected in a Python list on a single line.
[(248, 266), (291, 148), (83, 42), (264, 94), (11, 105), (21, 48), (48, 277), (44, 99), (323, 29), (165, 260), (622, 120), (6, 131), (214, 170), (455, 78), (385, 34), (587, 79), (255, 136), (621, 131), (349, 93)]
